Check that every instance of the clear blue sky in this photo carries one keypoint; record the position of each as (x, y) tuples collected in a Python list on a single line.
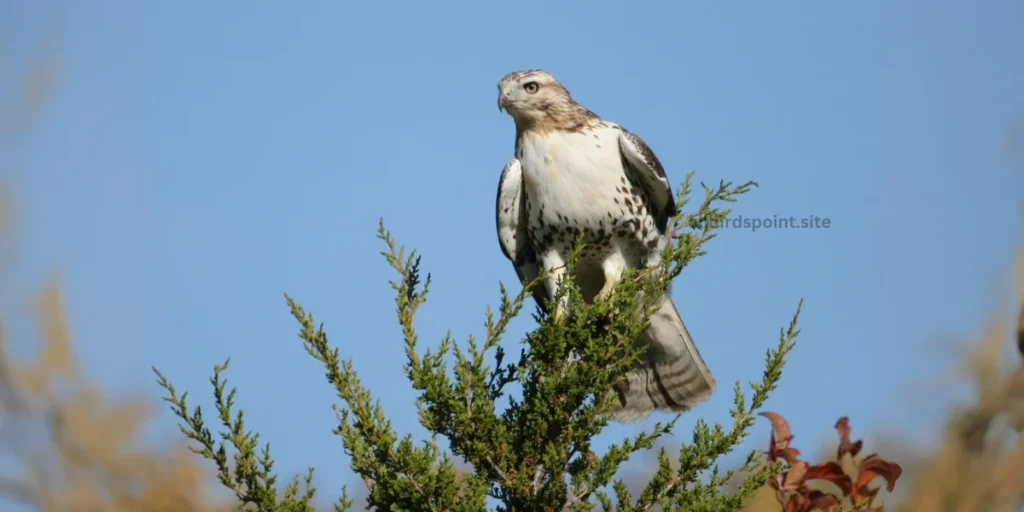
[(201, 159)]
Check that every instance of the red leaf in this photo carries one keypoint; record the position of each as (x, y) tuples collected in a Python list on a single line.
[(808, 501), (805, 506), (788, 454), (820, 500), (780, 438), (861, 493), (843, 426), (833, 473), (872, 467), (794, 478), (780, 427), (793, 505)]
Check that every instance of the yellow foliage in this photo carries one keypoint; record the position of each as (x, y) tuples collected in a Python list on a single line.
[(76, 449)]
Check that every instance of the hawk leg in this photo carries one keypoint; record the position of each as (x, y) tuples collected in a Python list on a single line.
[(555, 265), (561, 310), (612, 267)]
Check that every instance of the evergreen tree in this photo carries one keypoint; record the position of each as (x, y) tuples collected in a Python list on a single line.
[(528, 452)]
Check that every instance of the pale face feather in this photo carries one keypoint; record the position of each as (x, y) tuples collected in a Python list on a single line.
[(536, 100)]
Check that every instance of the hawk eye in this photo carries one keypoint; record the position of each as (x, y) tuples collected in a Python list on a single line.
[(531, 87)]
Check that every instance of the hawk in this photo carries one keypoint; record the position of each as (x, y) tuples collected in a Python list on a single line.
[(574, 173)]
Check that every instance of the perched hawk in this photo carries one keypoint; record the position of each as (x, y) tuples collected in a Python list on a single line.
[(574, 172)]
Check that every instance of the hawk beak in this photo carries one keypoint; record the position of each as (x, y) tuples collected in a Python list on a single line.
[(502, 102)]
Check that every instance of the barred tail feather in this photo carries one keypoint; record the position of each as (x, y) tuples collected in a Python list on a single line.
[(672, 374)]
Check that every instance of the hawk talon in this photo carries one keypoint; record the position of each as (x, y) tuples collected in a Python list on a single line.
[(612, 268)]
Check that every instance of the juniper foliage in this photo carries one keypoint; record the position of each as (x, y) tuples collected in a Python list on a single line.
[(530, 450)]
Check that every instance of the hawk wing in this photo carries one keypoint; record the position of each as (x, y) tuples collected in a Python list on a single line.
[(513, 235), (638, 158), (671, 374)]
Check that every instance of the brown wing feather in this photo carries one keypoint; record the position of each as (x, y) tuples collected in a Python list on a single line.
[(639, 157)]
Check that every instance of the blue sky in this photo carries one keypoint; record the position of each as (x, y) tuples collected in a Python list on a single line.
[(201, 159)]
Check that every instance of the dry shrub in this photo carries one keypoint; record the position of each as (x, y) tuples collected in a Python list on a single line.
[(802, 487), (64, 445), (976, 467), (979, 466), (72, 448)]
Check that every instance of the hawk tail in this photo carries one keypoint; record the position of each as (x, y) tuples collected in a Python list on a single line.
[(671, 376)]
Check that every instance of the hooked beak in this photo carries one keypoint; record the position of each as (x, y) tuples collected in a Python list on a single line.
[(502, 102)]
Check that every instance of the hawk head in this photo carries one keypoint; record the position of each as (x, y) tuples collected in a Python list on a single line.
[(536, 97)]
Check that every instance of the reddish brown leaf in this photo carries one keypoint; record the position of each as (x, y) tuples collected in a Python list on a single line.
[(780, 438), (795, 476), (793, 505), (797, 503), (805, 506), (780, 427), (808, 501), (820, 500), (874, 466), (845, 446), (859, 494), (833, 473), (789, 455)]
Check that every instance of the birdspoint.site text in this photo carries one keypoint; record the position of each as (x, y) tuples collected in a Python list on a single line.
[(773, 222)]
